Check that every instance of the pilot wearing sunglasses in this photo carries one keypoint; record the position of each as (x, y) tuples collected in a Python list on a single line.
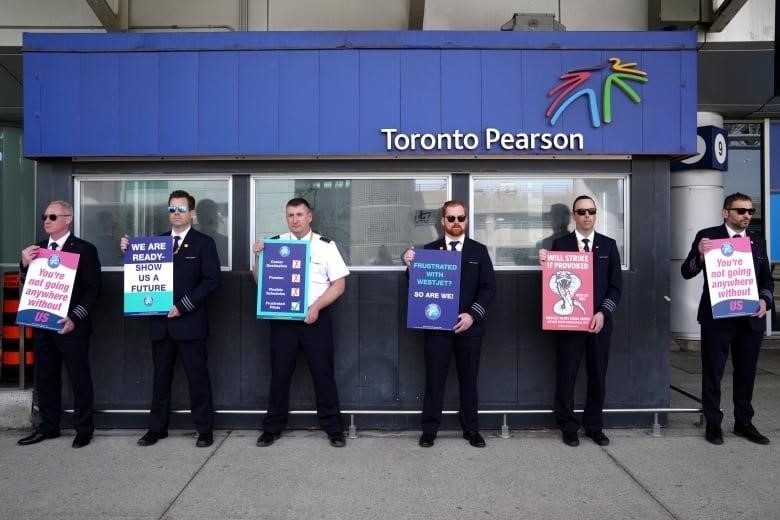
[(70, 345), (593, 344), (183, 332), (477, 288), (741, 335)]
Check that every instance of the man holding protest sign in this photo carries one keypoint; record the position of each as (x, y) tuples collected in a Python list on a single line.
[(593, 343), (313, 335), (477, 287), (185, 328), (69, 345), (740, 334)]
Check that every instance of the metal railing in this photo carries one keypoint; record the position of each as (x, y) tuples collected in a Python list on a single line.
[(504, 429)]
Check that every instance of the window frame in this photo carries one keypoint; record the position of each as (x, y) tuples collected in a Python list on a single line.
[(147, 177), (446, 176), (625, 177)]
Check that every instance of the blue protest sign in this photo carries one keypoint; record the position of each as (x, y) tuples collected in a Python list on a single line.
[(434, 289), (282, 276), (149, 276)]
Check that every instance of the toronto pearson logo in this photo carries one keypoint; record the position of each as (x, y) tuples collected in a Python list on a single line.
[(568, 90)]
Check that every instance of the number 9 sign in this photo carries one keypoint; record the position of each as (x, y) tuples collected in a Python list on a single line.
[(711, 151)]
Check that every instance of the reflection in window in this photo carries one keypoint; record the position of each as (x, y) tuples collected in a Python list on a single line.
[(110, 208), (516, 216), (373, 221)]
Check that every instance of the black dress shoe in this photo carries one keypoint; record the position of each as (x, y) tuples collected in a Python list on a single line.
[(337, 440), (598, 437), (474, 438), (427, 440), (266, 439), (749, 432), (205, 440), (36, 437), (571, 439), (81, 440), (714, 434), (152, 437)]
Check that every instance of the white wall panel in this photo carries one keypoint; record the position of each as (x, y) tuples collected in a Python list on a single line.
[(18, 16), (287, 15), (185, 13), (48, 12), (576, 15), (754, 22)]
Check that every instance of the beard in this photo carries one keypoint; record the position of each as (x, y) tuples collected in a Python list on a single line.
[(456, 231)]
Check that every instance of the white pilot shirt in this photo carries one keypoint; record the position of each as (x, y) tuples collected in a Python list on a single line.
[(581, 244), (60, 242), (733, 232), (326, 264), (459, 240)]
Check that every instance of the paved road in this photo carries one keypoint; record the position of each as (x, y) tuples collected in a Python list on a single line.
[(386, 475)]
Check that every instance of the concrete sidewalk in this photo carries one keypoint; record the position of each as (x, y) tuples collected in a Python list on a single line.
[(386, 475)]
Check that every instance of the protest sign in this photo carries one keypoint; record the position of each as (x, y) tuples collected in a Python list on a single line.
[(731, 278), (567, 291), (282, 276), (149, 276), (434, 290), (45, 297)]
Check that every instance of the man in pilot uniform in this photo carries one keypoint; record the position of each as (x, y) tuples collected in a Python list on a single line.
[(593, 343), (70, 345), (184, 330), (464, 341), (741, 335), (313, 335)]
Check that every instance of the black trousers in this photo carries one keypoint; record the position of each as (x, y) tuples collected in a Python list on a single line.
[(288, 338), (439, 348), (571, 348), (744, 344), (52, 350), (194, 359)]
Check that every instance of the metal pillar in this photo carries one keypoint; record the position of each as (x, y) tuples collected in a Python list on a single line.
[(696, 201)]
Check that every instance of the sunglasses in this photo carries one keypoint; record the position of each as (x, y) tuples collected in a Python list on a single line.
[(451, 218), (742, 211), (583, 212), (180, 209), (52, 217)]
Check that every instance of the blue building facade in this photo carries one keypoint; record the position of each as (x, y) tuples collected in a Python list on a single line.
[(374, 122)]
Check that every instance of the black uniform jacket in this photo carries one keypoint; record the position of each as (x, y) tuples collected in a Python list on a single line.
[(196, 274), (692, 266), (477, 282)]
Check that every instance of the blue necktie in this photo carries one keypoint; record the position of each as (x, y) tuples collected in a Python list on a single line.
[(176, 239), (454, 245), (585, 246), (53, 245)]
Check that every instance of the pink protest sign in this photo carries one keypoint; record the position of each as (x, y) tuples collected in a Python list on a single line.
[(567, 291), (731, 278), (45, 296)]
